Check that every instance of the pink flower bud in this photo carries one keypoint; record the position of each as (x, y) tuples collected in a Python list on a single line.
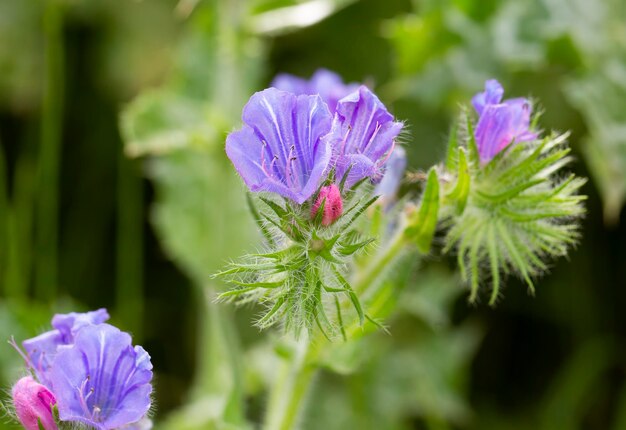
[(33, 401), (333, 206)]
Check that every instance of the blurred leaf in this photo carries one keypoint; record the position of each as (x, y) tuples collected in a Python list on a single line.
[(432, 298), (282, 16), (20, 26), (601, 96)]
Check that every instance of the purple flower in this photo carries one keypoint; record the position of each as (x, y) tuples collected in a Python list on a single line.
[(33, 404), (362, 136), (327, 84), (102, 380), (281, 147), (500, 122), (42, 349)]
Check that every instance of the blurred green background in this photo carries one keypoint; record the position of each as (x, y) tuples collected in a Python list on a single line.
[(115, 192)]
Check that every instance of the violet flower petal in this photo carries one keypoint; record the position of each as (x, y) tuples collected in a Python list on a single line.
[(492, 95), (69, 324), (327, 84), (101, 380), (362, 136), (281, 147), (500, 122), (394, 172), (42, 349)]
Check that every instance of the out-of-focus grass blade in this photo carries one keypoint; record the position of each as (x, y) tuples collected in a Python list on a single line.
[(49, 153), (129, 270)]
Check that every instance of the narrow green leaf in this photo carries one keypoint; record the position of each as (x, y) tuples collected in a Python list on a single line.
[(424, 222), (320, 212), (340, 319), (453, 144), (264, 320), (349, 249), (227, 295), (344, 178), (472, 146), (492, 249), (352, 295), (460, 193), (357, 210), (510, 193), (259, 284), (278, 210)]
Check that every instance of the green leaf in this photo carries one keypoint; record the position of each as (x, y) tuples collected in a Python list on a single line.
[(472, 146), (460, 192), (453, 147), (353, 297), (424, 223)]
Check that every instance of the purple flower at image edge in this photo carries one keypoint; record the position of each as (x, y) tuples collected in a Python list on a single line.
[(102, 380), (281, 147), (363, 136), (328, 85), (500, 122), (41, 350), (395, 167)]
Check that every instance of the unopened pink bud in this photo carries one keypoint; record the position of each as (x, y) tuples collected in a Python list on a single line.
[(33, 401), (333, 206)]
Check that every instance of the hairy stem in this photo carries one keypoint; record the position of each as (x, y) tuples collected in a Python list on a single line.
[(296, 375), (290, 389), (369, 277)]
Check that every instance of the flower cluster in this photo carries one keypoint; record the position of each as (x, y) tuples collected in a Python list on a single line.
[(89, 371), (513, 210), (504, 205), (291, 141), (309, 145)]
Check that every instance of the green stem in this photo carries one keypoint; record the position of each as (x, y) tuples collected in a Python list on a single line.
[(373, 271), (48, 177), (290, 390), (293, 383)]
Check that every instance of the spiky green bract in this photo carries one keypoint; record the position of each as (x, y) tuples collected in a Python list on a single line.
[(513, 214), (302, 277)]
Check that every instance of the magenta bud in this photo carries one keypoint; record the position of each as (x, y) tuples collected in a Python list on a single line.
[(33, 402), (333, 206)]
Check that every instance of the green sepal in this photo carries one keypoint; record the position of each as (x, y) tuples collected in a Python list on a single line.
[(320, 212), (460, 192), (278, 209), (353, 297), (349, 249), (424, 222), (453, 144), (472, 146)]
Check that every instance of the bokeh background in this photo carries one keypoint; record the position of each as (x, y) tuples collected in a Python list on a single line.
[(115, 192)]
